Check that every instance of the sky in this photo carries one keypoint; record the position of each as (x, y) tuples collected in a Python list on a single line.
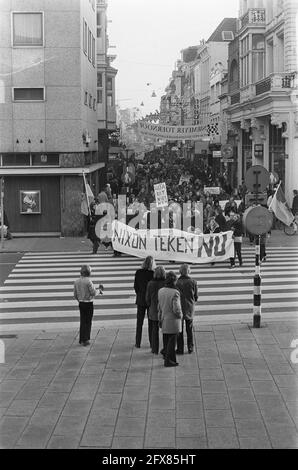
[(149, 35)]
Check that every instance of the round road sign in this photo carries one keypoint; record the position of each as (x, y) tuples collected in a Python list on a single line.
[(257, 220), (257, 178)]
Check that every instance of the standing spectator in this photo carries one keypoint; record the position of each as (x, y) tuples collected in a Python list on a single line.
[(295, 202), (84, 293), (153, 287), (235, 225), (169, 315), (189, 295), (142, 277)]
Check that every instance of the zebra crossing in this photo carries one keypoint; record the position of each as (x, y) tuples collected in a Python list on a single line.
[(38, 293)]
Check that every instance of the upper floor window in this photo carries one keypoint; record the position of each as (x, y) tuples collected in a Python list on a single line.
[(27, 29), (28, 94), (99, 79), (109, 84), (85, 36), (93, 50)]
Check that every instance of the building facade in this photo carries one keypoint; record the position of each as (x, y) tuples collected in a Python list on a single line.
[(263, 90), (48, 113)]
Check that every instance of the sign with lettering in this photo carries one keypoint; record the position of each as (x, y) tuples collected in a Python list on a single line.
[(161, 196), (172, 132), (212, 190), (172, 244)]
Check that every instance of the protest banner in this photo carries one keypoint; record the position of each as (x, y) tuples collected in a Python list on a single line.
[(168, 132), (172, 244), (212, 190), (223, 203), (161, 196)]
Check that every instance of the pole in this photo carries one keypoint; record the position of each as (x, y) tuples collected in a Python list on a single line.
[(257, 287), (2, 211), (85, 184)]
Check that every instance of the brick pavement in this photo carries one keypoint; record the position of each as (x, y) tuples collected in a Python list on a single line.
[(238, 390)]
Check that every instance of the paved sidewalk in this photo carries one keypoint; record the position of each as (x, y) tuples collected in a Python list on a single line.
[(278, 238), (238, 390)]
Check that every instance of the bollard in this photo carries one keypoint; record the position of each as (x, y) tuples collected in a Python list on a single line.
[(257, 287)]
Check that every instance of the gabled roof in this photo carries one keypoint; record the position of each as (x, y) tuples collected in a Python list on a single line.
[(227, 24)]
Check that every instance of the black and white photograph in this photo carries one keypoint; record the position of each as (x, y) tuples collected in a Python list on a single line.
[(148, 229), (30, 202)]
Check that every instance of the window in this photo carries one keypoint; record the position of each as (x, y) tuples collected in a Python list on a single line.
[(86, 98), (19, 159), (90, 101), (89, 44), (99, 79), (93, 50), (27, 29), (85, 32), (234, 71), (110, 100), (244, 48), (109, 84), (99, 96), (227, 35), (28, 94), (258, 57), (94, 104)]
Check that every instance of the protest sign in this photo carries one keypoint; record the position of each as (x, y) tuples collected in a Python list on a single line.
[(161, 196), (172, 244), (212, 190)]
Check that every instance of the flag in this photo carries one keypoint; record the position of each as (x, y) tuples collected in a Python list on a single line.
[(87, 198), (280, 207)]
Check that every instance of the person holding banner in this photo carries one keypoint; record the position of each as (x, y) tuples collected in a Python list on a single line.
[(142, 278), (153, 287), (169, 315)]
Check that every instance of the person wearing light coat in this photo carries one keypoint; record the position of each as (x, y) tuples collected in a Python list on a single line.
[(169, 315)]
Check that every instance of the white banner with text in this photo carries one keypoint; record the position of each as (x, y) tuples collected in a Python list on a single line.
[(172, 244)]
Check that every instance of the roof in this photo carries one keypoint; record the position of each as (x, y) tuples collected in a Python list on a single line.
[(227, 24)]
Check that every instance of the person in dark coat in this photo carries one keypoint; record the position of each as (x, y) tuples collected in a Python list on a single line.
[(153, 287), (295, 202), (189, 295), (169, 315), (235, 224), (142, 277)]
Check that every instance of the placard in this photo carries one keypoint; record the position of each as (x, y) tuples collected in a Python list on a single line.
[(161, 196)]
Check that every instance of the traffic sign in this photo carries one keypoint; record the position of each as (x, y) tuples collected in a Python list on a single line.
[(258, 220), (257, 178)]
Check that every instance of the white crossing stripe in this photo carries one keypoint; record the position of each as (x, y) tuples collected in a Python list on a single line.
[(39, 290)]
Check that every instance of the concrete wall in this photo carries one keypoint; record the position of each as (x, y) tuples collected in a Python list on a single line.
[(59, 121), (72, 221)]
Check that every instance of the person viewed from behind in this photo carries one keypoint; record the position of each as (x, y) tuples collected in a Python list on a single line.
[(142, 277), (169, 315), (189, 296), (153, 287), (84, 293)]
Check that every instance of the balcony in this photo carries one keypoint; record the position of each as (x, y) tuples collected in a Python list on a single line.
[(277, 82), (253, 16)]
